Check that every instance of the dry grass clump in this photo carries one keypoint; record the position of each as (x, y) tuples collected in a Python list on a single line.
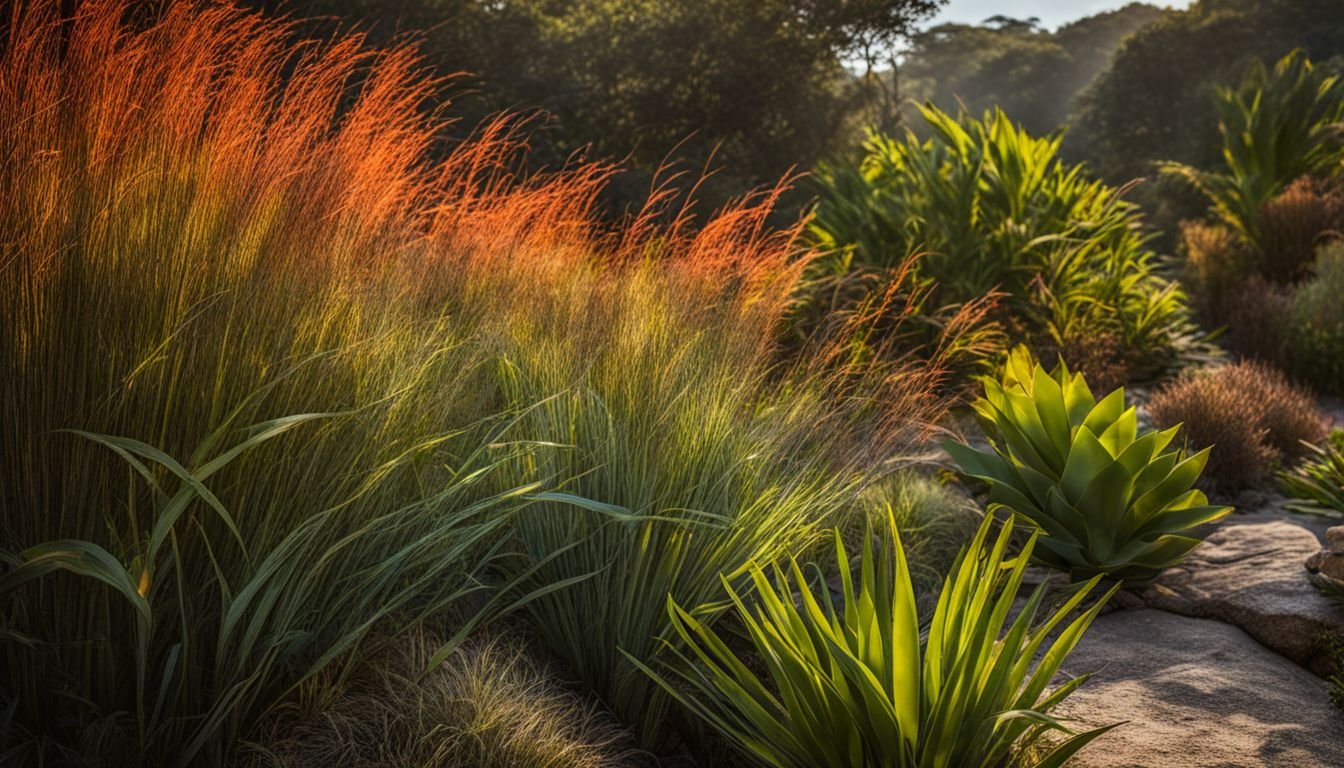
[(491, 704), (1249, 412)]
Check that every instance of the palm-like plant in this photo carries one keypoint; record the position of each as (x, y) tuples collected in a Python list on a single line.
[(991, 207), (1277, 125), (851, 685), (1110, 501)]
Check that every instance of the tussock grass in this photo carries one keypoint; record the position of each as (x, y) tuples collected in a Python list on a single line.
[(489, 705), (328, 378)]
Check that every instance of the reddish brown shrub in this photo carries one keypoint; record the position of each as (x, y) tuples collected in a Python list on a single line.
[(1258, 315), (1249, 412), (1217, 261), (1099, 357), (1308, 214)]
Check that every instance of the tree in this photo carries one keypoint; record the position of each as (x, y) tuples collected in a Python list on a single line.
[(1155, 101), (755, 87), (1033, 74)]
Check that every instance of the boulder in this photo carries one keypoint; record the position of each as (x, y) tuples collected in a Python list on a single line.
[(1195, 694), (1251, 576)]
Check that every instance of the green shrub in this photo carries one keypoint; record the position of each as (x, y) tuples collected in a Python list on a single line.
[(1317, 339), (990, 207), (490, 704), (853, 684), (1249, 415), (1277, 126), (1110, 501), (1317, 485)]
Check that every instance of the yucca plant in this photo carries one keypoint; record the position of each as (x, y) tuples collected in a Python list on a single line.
[(1277, 125), (855, 685), (1317, 485), (990, 207), (1110, 501)]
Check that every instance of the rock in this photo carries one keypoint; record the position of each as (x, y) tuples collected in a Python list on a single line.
[(1252, 576), (1334, 539), (1326, 563), (1196, 694)]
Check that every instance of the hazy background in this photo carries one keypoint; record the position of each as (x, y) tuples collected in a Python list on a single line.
[(1052, 13)]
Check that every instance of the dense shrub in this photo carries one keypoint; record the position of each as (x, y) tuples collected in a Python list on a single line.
[(327, 376), (1294, 225), (1277, 126), (1317, 338), (852, 682), (488, 705), (1249, 413), (1112, 501), (1256, 318), (1217, 262), (991, 207)]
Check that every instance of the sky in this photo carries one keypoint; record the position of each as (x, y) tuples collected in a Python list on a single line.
[(1052, 13)]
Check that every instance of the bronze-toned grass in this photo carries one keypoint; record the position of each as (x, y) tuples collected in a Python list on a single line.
[(327, 376)]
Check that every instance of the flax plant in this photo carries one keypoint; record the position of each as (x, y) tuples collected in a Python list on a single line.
[(853, 682), (1277, 124), (992, 208)]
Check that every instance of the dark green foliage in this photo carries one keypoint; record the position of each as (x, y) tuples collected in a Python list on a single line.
[(754, 87), (1317, 338), (990, 207), (1153, 102), (1277, 125)]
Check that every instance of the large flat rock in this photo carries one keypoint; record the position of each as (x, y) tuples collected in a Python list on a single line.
[(1252, 576), (1196, 694)]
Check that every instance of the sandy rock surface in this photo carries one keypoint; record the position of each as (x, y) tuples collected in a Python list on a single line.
[(1252, 576), (1197, 693)]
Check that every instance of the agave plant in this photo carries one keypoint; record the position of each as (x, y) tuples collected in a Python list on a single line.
[(1110, 501), (849, 685)]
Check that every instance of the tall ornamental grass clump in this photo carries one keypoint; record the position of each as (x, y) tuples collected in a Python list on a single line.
[(991, 207), (277, 369), (234, 439), (688, 450)]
